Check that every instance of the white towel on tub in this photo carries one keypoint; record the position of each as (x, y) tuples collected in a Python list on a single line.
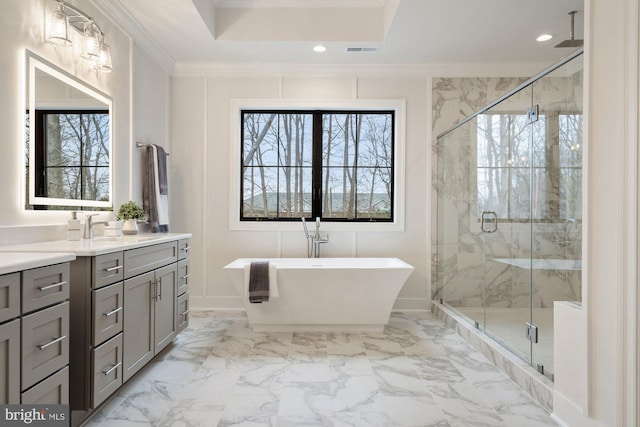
[(273, 279)]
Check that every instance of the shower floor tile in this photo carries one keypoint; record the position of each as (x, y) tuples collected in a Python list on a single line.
[(417, 373)]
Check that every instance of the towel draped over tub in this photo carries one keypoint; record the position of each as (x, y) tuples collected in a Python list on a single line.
[(260, 281)]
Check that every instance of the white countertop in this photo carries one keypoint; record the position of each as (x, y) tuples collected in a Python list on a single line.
[(99, 245), (10, 262)]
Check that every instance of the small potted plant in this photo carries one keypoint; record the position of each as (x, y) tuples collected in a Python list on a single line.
[(130, 213)]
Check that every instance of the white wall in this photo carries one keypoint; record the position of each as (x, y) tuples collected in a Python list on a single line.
[(608, 325), (201, 140), (22, 27)]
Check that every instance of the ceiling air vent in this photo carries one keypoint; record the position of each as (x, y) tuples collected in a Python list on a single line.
[(362, 49)]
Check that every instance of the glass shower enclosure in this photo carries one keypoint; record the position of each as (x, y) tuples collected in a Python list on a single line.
[(509, 218)]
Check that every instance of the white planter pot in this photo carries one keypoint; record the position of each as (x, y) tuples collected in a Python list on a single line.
[(130, 226)]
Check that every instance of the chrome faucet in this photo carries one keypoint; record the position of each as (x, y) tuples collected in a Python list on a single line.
[(314, 242), (88, 226)]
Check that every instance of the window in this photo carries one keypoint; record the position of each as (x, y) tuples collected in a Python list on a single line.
[(515, 158), (71, 154), (337, 165)]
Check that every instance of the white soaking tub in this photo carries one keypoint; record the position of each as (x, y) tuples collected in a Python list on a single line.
[(325, 294)]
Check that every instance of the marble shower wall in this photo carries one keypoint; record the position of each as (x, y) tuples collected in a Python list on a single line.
[(458, 245)]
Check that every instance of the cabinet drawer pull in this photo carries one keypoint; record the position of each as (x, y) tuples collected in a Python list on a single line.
[(185, 277), (113, 368), (116, 268), (186, 249), (55, 285), (112, 312), (184, 313), (52, 342)]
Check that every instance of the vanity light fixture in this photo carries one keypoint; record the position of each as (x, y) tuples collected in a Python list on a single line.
[(544, 37), (94, 49), (58, 26), (319, 48)]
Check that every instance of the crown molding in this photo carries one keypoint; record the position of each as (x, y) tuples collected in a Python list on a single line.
[(118, 13), (295, 4), (194, 69)]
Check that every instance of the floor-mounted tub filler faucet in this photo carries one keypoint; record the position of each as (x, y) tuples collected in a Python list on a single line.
[(314, 241)]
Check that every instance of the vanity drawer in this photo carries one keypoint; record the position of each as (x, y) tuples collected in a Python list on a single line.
[(182, 320), (107, 312), (45, 343), (183, 276), (52, 391), (107, 369), (108, 269), (10, 362), (9, 296), (44, 286), (183, 248), (142, 260)]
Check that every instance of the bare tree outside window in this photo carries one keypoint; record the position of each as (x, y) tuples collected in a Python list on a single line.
[(515, 158), (77, 156), (351, 178)]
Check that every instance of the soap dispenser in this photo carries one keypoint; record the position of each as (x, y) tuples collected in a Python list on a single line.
[(73, 227)]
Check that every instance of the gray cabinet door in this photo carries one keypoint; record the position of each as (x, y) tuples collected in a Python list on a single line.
[(183, 248), (9, 296), (138, 346), (165, 310), (10, 363), (107, 269), (183, 276), (108, 313), (44, 286), (52, 391), (182, 320), (107, 369), (45, 343)]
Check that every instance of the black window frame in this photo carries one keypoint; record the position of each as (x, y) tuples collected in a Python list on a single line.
[(317, 165), (40, 150)]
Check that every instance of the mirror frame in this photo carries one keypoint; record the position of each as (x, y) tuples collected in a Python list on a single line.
[(33, 63)]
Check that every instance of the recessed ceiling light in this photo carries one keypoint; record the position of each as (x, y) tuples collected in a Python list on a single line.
[(544, 37), (319, 48)]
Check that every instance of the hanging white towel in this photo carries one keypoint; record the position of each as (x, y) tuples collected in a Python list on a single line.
[(273, 279)]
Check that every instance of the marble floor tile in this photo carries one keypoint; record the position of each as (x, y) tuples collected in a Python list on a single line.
[(417, 372)]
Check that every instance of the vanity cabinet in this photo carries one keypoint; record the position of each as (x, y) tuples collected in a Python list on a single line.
[(34, 335), (124, 312)]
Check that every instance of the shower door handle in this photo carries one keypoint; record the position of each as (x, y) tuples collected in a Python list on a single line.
[(489, 222)]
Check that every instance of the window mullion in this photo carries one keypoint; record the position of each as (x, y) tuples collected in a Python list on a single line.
[(316, 166)]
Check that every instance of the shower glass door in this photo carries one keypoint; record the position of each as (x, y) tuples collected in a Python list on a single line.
[(509, 219), (557, 202), (504, 180), (460, 245)]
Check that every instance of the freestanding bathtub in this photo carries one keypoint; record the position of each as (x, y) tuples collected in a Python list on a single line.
[(325, 294)]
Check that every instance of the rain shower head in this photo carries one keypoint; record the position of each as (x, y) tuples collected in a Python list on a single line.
[(571, 42)]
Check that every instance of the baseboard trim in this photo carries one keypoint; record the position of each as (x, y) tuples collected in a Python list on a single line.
[(235, 303), (200, 303), (412, 304), (568, 414)]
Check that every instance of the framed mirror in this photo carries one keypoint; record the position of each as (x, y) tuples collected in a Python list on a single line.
[(67, 141)]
